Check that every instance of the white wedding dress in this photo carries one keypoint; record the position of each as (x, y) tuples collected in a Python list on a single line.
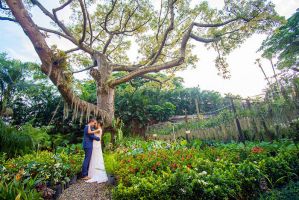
[(96, 170)]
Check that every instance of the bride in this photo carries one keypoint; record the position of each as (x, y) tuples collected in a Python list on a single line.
[(96, 171)]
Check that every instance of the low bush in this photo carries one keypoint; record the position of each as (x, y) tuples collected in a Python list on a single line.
[(25, 139), (21, 175), (290, 191), (222, 171)]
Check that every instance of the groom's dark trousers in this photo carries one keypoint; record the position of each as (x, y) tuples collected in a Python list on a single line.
[(85, 166), (87, 146)]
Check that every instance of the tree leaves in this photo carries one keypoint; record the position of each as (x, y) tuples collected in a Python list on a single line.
[(283, 43)]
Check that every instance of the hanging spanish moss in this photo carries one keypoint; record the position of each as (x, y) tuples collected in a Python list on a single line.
[(65, 111), (82, 114), (81, 117)]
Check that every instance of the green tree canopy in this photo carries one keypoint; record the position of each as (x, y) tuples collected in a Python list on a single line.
[(284, 44)]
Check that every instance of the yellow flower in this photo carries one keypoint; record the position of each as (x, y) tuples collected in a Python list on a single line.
[(18, 176)]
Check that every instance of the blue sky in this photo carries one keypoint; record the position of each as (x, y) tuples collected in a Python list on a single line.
[(246, 80)]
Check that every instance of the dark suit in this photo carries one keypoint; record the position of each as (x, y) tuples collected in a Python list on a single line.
[(87, 146)]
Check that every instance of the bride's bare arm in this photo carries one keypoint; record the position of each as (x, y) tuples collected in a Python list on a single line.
[(97, 131), (91, 132)]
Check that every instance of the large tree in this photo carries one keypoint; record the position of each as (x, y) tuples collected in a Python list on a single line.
[(103, 31)]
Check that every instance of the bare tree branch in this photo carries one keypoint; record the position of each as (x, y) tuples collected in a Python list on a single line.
[(54, 31), (2, 7), (7, 19), (175, 62), (112, 50), (71, 50), (204, 40), (107, 16), (107, 43), (62, 27), (127, 21), (61, 7), (125, 67), (83, 9), (97, 37), (142, 71), (122, 28), (295, 69), (151, 78), (82, 70), (159, 67), (159, 20), (168, 30), (215, 25), (89, 25)]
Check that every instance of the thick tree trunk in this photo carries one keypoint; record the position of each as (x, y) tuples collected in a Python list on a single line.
[(50, 65), (105, 93)]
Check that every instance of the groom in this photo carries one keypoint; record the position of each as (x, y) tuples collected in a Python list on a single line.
[(87, 146)]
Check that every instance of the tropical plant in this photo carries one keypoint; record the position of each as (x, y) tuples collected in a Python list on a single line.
[(283, 44), (12, 79)]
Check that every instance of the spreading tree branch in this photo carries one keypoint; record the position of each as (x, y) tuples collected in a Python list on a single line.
[(54, 32), (72, 50), (83, 9), (151, 78), (168, 30), (82, 70), (107, 16), (107, 43), (175, 62), (62, 27), (55, 10), (216, 24), (89, 25), (204, 40), (2, 7), (7, 19)]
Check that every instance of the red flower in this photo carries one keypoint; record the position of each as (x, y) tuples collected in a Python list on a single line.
[(257, 150), (173, 165), (154, 168)]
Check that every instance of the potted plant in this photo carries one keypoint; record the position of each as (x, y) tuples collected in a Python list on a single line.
[(73, 179), (111, 179)]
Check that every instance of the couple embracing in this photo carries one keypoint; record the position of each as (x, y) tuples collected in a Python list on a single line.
[(93, 168)]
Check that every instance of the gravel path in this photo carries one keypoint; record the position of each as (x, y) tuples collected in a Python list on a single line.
[(87, 191)]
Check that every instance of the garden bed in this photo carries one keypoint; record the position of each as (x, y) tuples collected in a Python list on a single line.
[(41, 174), (158, 170)]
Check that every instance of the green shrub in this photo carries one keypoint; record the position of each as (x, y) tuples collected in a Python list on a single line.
[(111, 162), (39, 136), (14, 142), (19, 190), (289, 192), (23, 140), (158, 170)]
